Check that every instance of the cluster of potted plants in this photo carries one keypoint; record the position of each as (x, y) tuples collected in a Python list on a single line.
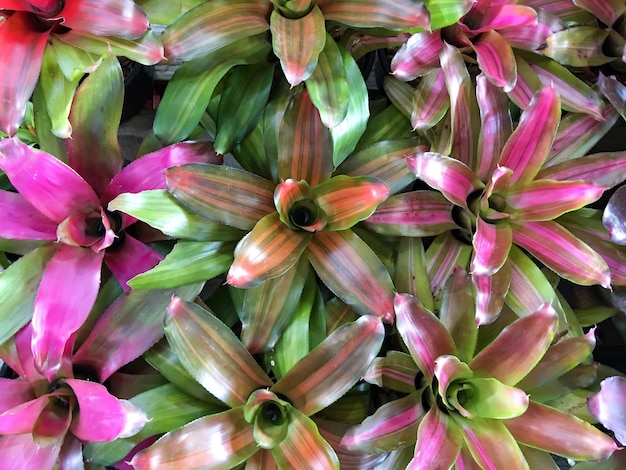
[(377, 284)]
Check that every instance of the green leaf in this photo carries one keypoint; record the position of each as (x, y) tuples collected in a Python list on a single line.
[(580, 46), (332, 368), (222, 440), (195, 81), (304, 447), (228, 195), (349, 267), (160, 210), (268, 308), (445, 13), (211, 353), (188, 262), (95, 118), (396, 371), (167, 408), (389, 124), (146, 50), (410, 275), (400, 94), (298, 42), (396, 15), (304, 143), (242, 104), (166, 362), (18, 287), (328, 86), (58, 92), (347, 133), (72, 61), (213, 26), (166, 12), (48, 142), (293, 343)]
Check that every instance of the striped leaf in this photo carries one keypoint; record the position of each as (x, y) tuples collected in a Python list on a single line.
[(430, 101), (212, 354), (332, 368), (304, 143), (349, 267), (529, 145), (195, 81), (385, 160), (268, 251), (396, 15), (268, 308), (227, 195), (298, 43), (562, 252), (212, 25), (160, 210), (420, 213), (304, 447), (222, 440), (411, 276), (146, 50), (347, 200), (328, 86)]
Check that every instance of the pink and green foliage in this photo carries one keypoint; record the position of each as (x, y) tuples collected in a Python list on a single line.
[(266, 420), (65, 38), (64, 205), (45, 420), (471, 403), (419, 198), (506, 192)]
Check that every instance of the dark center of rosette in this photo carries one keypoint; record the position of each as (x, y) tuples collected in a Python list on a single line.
[(272, 414), (303, 214)]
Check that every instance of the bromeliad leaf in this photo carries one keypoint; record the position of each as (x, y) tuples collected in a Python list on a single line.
[(267, 251), (212, 353), (347, 200), (160, 210), (212, 25), (298, 43), (228, 195), (188, 262), (349, 267)]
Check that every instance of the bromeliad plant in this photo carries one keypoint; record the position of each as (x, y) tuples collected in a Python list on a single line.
[(376, 281)]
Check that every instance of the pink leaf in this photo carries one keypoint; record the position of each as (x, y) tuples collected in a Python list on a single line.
[(41, 179), (417, 56), (21, 221), (492, 242), (100, 416), (147, 171), (23, 417), (66, 294), (518, 348), (453, 178), (439, 442), (496, 60), (422, 332), (562, 252), (529, 145), (119, 259), (121, 18), (22, 451), (608, 406)]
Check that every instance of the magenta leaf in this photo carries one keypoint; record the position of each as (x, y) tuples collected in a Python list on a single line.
[(100, 416), (66, 294), (41, 178)]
